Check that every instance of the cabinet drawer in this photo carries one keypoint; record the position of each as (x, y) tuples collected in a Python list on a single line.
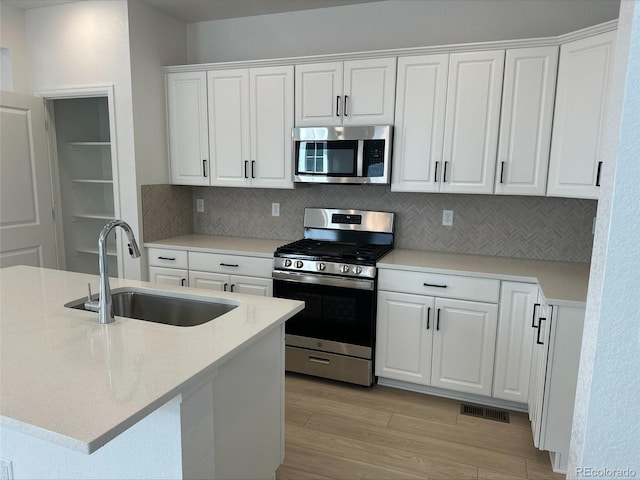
[(231, 264), (165, 257), (438, 285)]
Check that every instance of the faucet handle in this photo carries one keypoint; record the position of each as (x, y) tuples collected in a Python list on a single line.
[(91, 305), (89, 294)]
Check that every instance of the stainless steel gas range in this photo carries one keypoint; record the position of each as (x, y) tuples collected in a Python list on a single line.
[(333, 270)]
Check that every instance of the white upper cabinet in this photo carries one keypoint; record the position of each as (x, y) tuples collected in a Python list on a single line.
[(471, 124), (447, 114), (525, 124), (578, 126), (231, 127), (250, 121), (187, 124), (358, 92), (419, 128)]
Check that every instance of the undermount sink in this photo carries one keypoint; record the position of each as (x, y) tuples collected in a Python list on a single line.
[(161, 308)]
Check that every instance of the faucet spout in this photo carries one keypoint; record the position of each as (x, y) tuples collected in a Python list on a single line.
[(105, 304)]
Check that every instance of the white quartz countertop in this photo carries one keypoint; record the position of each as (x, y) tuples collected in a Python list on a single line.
[(256, 247), (563, 283), (69, 380)]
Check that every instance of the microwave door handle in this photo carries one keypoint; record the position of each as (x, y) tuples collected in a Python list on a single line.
[(360, 159)]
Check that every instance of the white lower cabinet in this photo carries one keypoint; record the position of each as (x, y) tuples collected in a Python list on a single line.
[(514, 341), (231, 283), (435, 341), (554, 373), (223, 272)]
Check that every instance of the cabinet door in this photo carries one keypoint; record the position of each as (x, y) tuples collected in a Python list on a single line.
[(318, 94), (168, 276), (188, 128), (419, 126), (539, 372), (404, 336), (579, 119), (463, 346), (251, 285), (514, 342), (369, 91), (525, 124), (229, 127), (210, 281), (271, 101), (471, 125)]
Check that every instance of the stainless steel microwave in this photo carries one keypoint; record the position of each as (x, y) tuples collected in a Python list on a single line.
[(359, 154)]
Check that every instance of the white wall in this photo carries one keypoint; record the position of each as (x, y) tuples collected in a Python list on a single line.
[(93, 43), (389, 24), (605, 424), (155, 40), (13, 37)]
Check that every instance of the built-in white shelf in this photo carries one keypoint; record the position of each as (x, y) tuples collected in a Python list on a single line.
[(94, 251), (91, 180), (95, 216), (77, 145)]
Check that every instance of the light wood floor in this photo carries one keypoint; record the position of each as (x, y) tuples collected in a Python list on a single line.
[(340, 431)]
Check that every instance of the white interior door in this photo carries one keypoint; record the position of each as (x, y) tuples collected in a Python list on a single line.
[(27, 235)]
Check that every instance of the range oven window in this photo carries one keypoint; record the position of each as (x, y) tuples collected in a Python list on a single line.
[(331, 313), (337, 158)]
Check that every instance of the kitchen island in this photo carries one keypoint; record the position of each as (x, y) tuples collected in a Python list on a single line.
[(137, 399)]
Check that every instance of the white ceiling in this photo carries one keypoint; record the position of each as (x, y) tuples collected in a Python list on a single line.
[(190, 11)]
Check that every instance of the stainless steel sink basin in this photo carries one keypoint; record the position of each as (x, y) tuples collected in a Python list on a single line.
[(154, 307)]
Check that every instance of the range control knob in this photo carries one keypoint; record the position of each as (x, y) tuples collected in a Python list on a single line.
[(299, 264), (357, 269), (287, 263), (320, 266), (344, 268)]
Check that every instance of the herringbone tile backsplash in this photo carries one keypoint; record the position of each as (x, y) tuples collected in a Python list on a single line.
[(511, 226)]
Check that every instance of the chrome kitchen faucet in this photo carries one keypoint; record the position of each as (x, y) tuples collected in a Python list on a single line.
[(104, 304)]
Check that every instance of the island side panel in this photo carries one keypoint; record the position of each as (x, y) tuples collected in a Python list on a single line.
[(248, 396), (150, 449)]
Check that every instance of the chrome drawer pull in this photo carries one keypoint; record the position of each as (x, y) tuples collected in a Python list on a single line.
[(324, 361)]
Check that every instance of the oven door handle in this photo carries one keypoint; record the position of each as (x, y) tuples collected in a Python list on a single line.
[(328, 280)]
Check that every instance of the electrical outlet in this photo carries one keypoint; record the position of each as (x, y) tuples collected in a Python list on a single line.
[(6, 470), (447, 218), (200, 205), (275, 209)]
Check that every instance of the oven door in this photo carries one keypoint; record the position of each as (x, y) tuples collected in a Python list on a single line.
[(338, 315)]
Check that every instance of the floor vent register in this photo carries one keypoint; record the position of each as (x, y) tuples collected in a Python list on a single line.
[(484, 412)]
